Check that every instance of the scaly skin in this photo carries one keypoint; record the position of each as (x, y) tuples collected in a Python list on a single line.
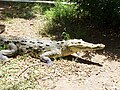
[(43, 48)]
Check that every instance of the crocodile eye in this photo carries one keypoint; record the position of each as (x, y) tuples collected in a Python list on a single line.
[(79, 42)]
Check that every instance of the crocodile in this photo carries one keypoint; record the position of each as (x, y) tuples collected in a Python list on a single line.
[(44, 49)]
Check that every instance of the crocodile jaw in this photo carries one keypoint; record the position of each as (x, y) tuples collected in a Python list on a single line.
[(80, 45)]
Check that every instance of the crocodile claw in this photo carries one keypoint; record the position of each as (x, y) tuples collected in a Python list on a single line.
[(46, 60), (2, 57)]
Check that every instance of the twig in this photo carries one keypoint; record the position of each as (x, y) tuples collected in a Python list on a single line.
[(28, 68)]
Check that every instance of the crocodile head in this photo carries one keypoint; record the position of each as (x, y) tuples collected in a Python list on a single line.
[(76, 45)]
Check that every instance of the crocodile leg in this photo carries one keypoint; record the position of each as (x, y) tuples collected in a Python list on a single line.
[(45, 57), (11, 51)]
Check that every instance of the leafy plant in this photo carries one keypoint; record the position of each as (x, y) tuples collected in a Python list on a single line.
[(102, 14), (63, 18)]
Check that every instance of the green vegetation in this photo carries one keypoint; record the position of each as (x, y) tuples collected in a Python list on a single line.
[(84, 17), (65, 36), (102, 14), (63, 18)]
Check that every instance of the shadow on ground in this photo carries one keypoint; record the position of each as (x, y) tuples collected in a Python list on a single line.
[(80, 60), (88, 62)]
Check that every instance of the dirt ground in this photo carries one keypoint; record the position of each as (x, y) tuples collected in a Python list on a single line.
[(100, 72)]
